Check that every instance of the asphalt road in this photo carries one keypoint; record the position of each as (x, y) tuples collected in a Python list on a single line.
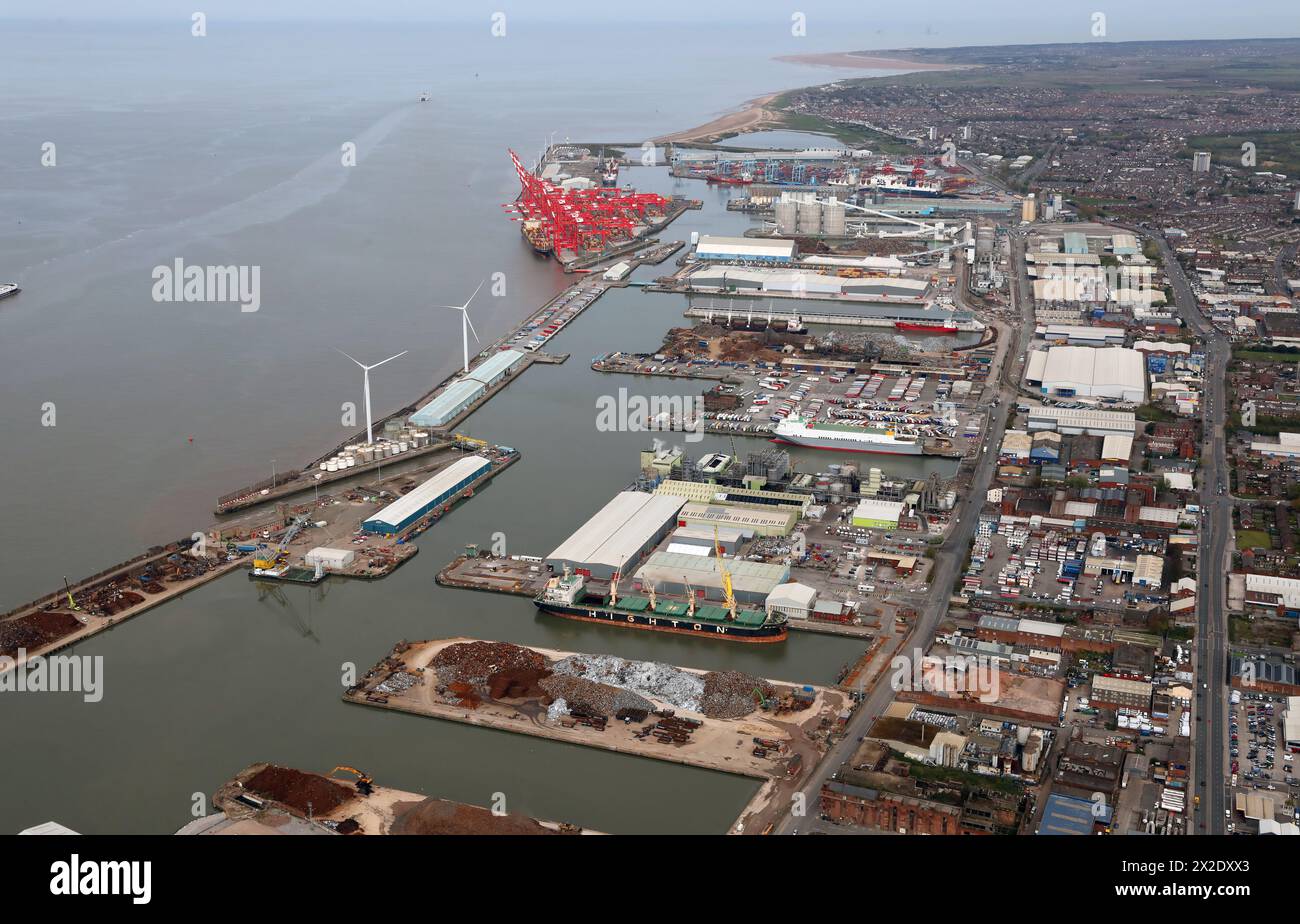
[(948, 561), (1210, 768)]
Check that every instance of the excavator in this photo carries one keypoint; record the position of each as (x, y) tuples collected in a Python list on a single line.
[(365, 782)]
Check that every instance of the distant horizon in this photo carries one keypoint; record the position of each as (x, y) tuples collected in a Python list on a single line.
[(840, 45)]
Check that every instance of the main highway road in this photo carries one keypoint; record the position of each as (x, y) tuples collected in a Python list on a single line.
[(1210, 776)]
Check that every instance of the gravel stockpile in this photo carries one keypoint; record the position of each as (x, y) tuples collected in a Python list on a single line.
[(598, 698), (477, 662), (649, 678), (730, 694)]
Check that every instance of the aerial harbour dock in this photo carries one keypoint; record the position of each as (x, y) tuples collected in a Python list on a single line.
[(715, 720)]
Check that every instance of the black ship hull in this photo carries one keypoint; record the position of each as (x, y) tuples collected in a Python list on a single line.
[(657, 623)]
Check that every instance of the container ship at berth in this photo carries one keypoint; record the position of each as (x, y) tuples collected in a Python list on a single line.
[(843, 437), (571, 597), (536, 235)]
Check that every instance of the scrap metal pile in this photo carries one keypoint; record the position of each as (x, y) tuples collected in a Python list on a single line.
[(667, 684), (306, 793), (581, 695), (717, 694), (732, 694), (476, 663), (591, 685), (35, 630)]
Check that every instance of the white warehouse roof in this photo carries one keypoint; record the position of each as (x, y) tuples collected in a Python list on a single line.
[(1112, 372), (1084, 420), (744, 247), (1286, 588), (619, 530), (402, 508)]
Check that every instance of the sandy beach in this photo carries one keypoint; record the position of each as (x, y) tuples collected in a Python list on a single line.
[(753, 116), (863, 61)]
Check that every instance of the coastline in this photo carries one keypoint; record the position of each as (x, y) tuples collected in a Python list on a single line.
[(861, 61), (755, 114), (752, 116)]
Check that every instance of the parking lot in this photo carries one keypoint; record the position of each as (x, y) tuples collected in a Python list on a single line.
[(1257, 761), (548, 322)]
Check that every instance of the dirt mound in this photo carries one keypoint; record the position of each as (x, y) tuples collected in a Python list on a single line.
[(478, 662), (731, 694), (34, 630), (299, 790), (438, 816)]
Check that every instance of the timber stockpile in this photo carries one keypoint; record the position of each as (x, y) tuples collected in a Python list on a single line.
[(720, 720), (269, 799)]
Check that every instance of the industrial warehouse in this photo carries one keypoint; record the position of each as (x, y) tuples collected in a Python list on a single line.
[(618, 536), (1113, 373), (798, 281), (457, 397), (438, 490)]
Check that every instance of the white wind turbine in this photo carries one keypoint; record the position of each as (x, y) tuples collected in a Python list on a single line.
[(370, 435), (466, 325)]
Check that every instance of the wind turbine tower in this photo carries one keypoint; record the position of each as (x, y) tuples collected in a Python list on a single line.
[(370, 434), (466, 325)]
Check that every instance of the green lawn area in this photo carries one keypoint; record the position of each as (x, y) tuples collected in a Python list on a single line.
[(852, 135), (1152, 412), (1265, 356), (1253, 539)]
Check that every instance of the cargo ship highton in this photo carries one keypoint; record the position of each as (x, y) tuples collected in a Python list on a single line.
[(844, 437), (572, 597)]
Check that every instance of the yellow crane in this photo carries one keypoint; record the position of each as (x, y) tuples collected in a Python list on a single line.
[(726, 575)]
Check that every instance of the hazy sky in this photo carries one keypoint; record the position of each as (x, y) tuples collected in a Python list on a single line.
[(871, 23)]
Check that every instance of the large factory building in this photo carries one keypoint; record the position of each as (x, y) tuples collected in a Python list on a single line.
[(618, 536), (1117, 373), (746, 249), (439, 489)]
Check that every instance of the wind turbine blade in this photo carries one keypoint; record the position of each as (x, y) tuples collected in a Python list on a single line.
[(453, 307), (389, 359), (471, 298), (353, 358), (471, 328)]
